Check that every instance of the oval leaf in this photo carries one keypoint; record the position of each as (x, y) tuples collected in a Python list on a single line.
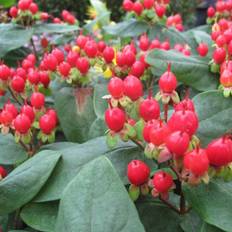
[(96, 201)]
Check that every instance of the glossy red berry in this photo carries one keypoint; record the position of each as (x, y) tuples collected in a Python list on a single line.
[(33, 8), (47, 124), (144, 42), (11, 108), (149, 109), (18, 84), (133, 87), (6, 118), (50, 62), (91, 48), (202, 49), (128, 5), (22, 123), (108, 54), (162, 182), (44, 78), (81, 41), (53, 114), (129, 57), (116, 87), (196, 162), (211, 12), (226, 78), (219, 152), (101, 46), (137, 68), (186, 104), (138, 172), (160, 10), (177, 143), (159, 133), (219, 55), (72, 58), (13, 12), (83, 65), (138, 8), (147, 129), (168, 81), (44, 16), (3, 172), (120, 59), (28, 110), (185, 121), (148, 4), (115, 119), (64, 69), (165, 45), (4, 72), (22, 73), (24, 4), (37, 100), (59, 55), (33, 77)]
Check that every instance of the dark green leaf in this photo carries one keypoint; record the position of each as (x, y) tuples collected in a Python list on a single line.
[(40, 216), (214, 112), (189, 70), (54, 28), (213, 203), (97, 201), (7, 3), (10, 152), (97, 129), (22, 184), (128, 28), (76, 113), (12, 37)]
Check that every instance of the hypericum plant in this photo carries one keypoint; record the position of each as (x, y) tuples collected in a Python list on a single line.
[(168, 138)]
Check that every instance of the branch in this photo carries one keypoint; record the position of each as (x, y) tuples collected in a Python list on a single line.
[(14, 96), (174, 208), (34, 49), (137, 143)]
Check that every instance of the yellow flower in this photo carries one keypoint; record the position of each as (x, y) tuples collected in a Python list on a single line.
[(108, 73)]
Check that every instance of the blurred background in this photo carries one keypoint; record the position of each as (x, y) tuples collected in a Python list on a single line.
[(192, 11)]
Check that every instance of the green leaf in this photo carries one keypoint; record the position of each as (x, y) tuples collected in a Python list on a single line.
[(76, 113), (97, 129), (157, 217), (22, 184), (212, 200), (40, 216), (214, 112), (72, 161), (11, 152), (7, 3), (100, 104), (12, 37), (54, 28), (191, 71), (128, 28), (97, 201)]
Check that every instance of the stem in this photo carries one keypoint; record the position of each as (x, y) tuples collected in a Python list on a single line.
[(137, 143), (182, 203), (24, 145), (34, 49), (14, 96), (170, 205), (166, 112)]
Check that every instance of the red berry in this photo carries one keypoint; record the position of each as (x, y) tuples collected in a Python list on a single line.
[(57, 20), (3, 172), (149, 109), (6, 118), (64, 69), (168, 82), (108, 54), (11, 108), (47, 124), (5, 72), (22, 123), (24, 4), (44, 78), (202, 49), (22, 73), (220, 41), (18, 84), (59, 55), (115, 119), (28, 110), (185, 121), (101, 46), (196, 162), (162, 182), (138, 8), (138, 172), (159, 133), (129, 57), (33, 8), (137, 69), (160, 10), (44, 16), (72, 58), (186, 104), (37, 100), (155, 44), (120, 59), (211, 12), (44, 42), (147, 129), (219, 152), (177, 143), (115, 87), (33, 77), (81, 41), (219, 55), (148, 4), (91, 49), (144, 42), (13, 12), (226, 78), (50, 62), (53, 114), (165, 46), (83, 65), (128, 5), (133, 87)]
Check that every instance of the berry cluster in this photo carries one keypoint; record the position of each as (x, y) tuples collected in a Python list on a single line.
[(167, 139), (222, 37), (26, 13)]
